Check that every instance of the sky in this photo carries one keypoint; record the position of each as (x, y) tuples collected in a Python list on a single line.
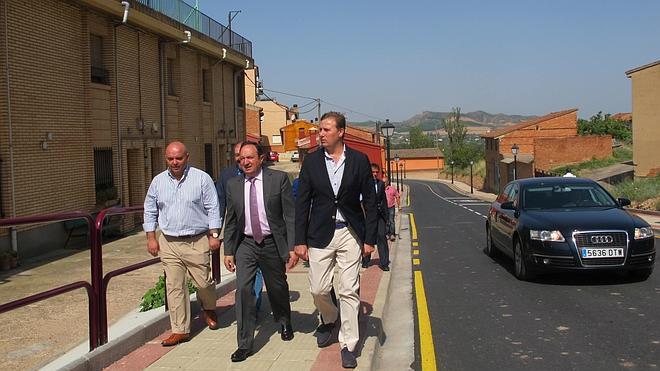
[(394, 59)]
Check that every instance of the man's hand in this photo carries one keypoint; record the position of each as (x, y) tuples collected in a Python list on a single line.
[(367, 249), (301, 252), (292, 261), (229, 263), (152, 246), (214, 243)]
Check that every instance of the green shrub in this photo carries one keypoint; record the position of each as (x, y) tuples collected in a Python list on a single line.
[(638, 190), (155, 297)]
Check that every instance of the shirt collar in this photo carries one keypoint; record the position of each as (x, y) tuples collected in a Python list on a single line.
[(259, 177), (185, 173), (343, 154)]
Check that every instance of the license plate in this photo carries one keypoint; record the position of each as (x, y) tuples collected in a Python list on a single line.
[(602, 253)]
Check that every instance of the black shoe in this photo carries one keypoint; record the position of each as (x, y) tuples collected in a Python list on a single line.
[(324, 334), (240, 355), (385, 269), (286, 332), (348, 359), (365, 265)]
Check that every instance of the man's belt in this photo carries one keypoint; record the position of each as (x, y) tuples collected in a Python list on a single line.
[(187, 236), (265, 237), (340, 225)]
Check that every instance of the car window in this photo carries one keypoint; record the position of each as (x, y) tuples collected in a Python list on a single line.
[(566, 196), (513, 195), (503, 197)]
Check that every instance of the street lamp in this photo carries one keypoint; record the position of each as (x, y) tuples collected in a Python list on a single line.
[(452, 171), (403, 169), (396, 163), (471, 186), (514, 150), (388, 129)]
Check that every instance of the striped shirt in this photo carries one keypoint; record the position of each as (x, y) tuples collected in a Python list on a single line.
[(182, 208)]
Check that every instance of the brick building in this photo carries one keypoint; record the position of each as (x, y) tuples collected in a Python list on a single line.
[(646, 118), (88, 103), (544, 143)]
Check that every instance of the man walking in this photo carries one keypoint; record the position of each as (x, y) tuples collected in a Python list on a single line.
[(259, 234), (393, 200), (381, 238), (226, 174), (331, 229), (183, 202)]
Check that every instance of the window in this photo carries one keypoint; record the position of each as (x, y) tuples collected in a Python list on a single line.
[(103, 178), (171, 87), (206, 85), (99, 74), (239, 85), (208, 159), (277, 139)]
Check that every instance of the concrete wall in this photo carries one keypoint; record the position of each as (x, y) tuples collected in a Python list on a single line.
[(646, 121), (275, 117)]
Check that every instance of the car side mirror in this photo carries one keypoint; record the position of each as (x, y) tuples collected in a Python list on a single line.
[(507, 205), (623, 201)]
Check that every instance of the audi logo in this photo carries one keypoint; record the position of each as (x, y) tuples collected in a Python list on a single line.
[(602, 239)]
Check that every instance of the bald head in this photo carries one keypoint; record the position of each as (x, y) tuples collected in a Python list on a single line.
[(176, 157)]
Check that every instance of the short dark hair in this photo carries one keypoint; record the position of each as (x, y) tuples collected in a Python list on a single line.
[(375, 166), (260, 149), (339, 118)]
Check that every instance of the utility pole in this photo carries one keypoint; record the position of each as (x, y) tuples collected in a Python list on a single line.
[(230, 17), (318, 109)]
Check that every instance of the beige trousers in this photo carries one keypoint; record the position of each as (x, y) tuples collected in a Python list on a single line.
[(345, 252), (180, 257)]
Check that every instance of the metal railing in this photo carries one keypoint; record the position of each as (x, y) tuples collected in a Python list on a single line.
[(97, 290), (186, 14)]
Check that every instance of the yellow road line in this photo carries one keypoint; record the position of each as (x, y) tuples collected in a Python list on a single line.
[(415, 243), (427, 349), (413, 227), (408, 198), (415, 252), (415, 261)]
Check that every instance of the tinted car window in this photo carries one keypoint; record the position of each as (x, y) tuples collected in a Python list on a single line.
[(566, 196), (503, 197), (513, 194)]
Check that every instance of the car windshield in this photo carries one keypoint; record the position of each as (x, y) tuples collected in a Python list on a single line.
[(566, 196)]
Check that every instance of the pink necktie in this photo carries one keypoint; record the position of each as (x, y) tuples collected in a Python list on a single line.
[(254, 213)]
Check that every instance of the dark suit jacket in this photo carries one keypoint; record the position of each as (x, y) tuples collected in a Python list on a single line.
[(279, 210), (381, 200), (316, 204), (221, 184)]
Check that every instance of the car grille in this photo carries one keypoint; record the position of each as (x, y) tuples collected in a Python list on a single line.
[(584, 239)]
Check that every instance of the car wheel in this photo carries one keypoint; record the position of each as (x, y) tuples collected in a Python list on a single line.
[(520, 267), (641, 274), (490, 249)]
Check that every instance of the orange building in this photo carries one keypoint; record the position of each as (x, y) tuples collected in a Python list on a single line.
[(292, 132), (418, 159)]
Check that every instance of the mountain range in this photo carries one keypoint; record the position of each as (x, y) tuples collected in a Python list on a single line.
[(477, 121)]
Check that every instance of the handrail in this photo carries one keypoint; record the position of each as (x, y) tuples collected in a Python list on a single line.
[(92, 292)]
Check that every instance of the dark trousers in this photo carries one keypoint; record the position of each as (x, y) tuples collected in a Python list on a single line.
[(265, 256), (382, 244), (391, 212)]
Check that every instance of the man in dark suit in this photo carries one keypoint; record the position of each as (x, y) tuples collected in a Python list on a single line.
[(333, 229), (383, 215), (259, 234)]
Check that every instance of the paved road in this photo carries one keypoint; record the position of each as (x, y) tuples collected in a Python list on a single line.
[(483, 318)]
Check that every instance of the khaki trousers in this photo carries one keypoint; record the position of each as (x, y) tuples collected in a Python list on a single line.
[(180, 257), (345, 252)]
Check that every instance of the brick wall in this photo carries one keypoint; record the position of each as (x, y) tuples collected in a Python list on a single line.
[(553, 152)]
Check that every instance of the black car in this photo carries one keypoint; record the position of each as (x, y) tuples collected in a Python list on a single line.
[(548, 224)]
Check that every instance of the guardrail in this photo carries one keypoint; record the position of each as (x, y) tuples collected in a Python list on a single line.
[(97, 289)]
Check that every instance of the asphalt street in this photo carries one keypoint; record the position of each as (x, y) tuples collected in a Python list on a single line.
[(483, 318)]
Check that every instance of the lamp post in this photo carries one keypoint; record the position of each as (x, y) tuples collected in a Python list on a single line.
[(471, 186), (388, 129), (403, 169), (396, 163), (514, 150), (452, 171)]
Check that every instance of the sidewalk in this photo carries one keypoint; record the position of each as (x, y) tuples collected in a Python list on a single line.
[(212, 349)]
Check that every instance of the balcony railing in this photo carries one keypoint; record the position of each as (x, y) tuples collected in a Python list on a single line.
[(186, 14)]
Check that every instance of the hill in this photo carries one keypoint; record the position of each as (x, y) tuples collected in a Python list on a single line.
[(479, 121)]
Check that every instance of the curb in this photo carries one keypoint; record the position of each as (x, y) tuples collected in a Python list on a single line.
[(126, 343)]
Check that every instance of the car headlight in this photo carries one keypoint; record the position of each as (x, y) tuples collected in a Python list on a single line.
[(644, 232), (555, 236)]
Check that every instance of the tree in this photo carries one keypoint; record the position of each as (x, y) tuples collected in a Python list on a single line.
[(456, 148), (455, 128), (418, 139), (600, 124)]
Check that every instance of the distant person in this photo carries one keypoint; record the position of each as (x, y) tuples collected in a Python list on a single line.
[(333, 230), (393, 201), (381, 239), (183, 203), (259, 233), (226, 174)]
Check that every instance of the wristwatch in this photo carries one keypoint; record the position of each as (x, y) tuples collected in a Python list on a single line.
[(215, 235)]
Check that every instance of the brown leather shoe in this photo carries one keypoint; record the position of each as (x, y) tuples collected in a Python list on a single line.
[(211, 319), (175, 339)]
